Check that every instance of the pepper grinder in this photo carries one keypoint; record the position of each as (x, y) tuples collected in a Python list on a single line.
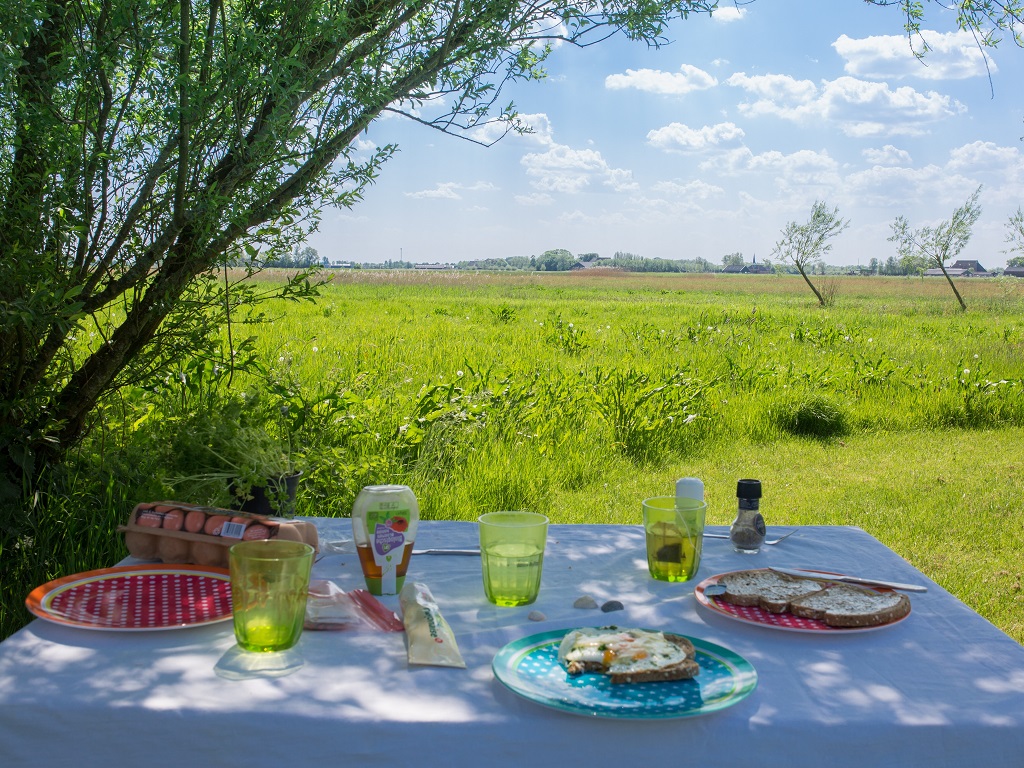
[(748, 529)]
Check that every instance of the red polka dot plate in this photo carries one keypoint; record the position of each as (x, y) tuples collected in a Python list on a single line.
[(783, 621), (136, 598)]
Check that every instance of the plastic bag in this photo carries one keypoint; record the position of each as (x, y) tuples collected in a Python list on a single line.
[(430, 639), (330, 607)]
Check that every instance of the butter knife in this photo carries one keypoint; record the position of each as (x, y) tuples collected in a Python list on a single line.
[(825, 576), (446, 552)]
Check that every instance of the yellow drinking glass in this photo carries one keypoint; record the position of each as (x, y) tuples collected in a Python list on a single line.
[(269, 586), (674, 530), (512, 555)]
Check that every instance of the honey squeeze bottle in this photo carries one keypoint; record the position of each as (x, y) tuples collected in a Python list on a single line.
[(384, 522)]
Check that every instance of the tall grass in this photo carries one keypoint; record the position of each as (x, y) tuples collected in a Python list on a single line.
[(577, 394)]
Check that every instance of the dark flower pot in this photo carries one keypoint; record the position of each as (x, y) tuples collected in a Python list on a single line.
[(263, 498)]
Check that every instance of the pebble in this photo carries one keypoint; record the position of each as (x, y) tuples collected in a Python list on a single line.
[(585, 602), (612, 605), (536, 616)]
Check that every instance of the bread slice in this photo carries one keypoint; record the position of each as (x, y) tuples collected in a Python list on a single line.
[(766, 589), (629, 655), (847, 605), (684, 669)]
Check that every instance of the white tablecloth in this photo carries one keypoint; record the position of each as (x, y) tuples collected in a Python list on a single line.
[(942, 688)]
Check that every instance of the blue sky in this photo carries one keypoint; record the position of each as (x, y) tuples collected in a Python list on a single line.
[(711, 144)]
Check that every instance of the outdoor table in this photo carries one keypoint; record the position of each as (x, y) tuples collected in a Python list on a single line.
[(942, 688)]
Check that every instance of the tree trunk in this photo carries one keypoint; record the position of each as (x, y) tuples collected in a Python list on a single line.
[(800, 268), (955, 291)]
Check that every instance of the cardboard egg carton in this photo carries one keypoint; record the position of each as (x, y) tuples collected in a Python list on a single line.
[(173, 532)]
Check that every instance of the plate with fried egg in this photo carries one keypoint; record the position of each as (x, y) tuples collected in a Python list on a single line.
[(591, 671)]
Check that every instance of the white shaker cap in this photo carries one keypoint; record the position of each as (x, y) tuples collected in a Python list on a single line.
[(690, 488)]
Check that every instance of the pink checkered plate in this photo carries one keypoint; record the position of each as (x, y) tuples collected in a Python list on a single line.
[(136, 598), (784, 621)]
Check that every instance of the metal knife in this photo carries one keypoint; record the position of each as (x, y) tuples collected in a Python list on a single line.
[(824, 575), (446, 551)]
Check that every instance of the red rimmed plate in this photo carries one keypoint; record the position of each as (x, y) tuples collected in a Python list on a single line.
[(136, 598), (784, 621)]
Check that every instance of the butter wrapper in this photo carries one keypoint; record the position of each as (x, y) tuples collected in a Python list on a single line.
[(431, 641)]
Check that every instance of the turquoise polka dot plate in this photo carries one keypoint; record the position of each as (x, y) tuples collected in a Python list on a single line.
[(530, 668)]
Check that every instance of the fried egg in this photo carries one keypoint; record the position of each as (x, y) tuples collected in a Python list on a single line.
[(617, 651)]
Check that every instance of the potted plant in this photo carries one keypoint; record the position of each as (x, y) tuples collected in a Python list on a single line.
[(237, 455)]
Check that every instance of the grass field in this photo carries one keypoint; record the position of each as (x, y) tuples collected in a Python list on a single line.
[(579, 394)]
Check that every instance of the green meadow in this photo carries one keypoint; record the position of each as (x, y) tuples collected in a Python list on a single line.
[(579, 394)]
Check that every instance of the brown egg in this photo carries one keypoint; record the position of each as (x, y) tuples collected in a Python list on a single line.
[(241, 520), (149, 518), (307, 532), (141, 545), (173, 550), (194, 521), (209, 554), (174, 519), (256, 531), (287, 532), (215, 524)]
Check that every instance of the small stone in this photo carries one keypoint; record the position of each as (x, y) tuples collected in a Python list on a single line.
[(536, 616), (585, 602), (612, 605)]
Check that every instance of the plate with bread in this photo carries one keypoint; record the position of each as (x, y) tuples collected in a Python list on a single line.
[(816, 605), (624, 672)]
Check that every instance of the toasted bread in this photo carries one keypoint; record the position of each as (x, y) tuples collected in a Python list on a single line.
[(766, 589), (629, 655), (846, 605)]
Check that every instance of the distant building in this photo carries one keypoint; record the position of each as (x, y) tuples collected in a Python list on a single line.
[(971, 265), (961, 268), (1014, 271), (600, 261), (747, 269), (432, 266)]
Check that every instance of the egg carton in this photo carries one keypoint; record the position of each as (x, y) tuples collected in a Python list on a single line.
[(173, 532)]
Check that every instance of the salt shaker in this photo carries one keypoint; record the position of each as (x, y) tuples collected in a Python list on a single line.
[(748, 529)]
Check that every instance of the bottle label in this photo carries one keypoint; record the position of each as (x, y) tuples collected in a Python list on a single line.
[(387, 529), (387, 525), (759, 526)]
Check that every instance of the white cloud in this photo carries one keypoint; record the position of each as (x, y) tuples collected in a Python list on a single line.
[(858, 107), (775, 88), (728, 14), (449, 190), (689, 79), (693, 190), (798, 169), (563, 169), (951, 56), (677, 136), (985, 156), (887, 155), (902, 190), (538, 122), (537, 198)]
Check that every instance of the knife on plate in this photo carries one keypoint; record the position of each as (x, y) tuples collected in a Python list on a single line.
[(825, 576)]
